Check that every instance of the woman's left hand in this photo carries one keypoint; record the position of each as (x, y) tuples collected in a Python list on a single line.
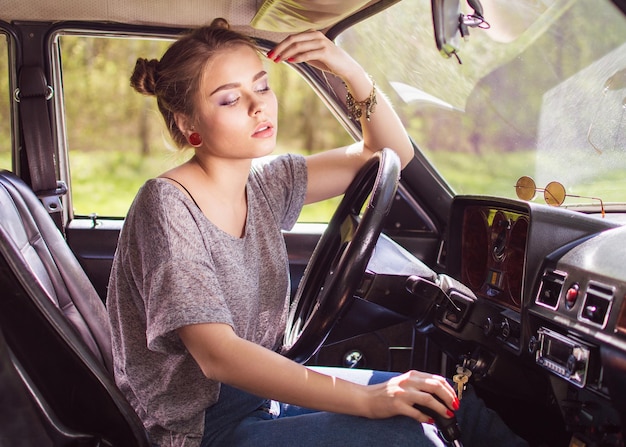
[(317, 50)]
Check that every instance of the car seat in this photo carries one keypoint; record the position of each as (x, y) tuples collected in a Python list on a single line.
[(54, 336)]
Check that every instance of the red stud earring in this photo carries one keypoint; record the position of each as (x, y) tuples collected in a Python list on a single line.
[(195, 139)]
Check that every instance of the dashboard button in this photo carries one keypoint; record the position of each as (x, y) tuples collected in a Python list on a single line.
[(572, 295), (591, 312)]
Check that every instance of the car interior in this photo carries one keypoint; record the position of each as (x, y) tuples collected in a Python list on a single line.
[(406, 273)]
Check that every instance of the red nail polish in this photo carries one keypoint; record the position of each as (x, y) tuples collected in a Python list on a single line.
[(291, 59), (449, 413), (270, 54), (430, 421), (456, 404), (277, 60)]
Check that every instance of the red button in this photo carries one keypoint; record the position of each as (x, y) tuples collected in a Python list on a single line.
[(571, 296)]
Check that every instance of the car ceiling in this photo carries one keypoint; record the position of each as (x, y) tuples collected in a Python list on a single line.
[(264, 19)]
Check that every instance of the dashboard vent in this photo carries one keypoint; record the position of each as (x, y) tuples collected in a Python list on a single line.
[(550, 289), (621, 318), (597, 304)]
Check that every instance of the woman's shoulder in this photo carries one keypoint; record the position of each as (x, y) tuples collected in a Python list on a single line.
[(279, 166), (157, 197), (159, 211), (282, 180), (159, 189)]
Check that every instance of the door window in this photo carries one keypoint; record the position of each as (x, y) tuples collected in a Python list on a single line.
[(5, 105), (116, 138)]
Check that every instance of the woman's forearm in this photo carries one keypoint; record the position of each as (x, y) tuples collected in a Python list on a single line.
[(383, 128), (254, 369)]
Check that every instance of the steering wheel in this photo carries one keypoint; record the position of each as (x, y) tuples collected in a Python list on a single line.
[(340, 258)]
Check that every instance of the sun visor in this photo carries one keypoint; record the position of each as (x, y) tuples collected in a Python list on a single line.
[(300, 15)]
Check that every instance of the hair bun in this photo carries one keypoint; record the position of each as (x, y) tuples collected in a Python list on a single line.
[(220, 23), (144, 76)]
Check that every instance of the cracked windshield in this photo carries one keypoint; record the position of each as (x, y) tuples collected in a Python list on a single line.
[(542, 97)]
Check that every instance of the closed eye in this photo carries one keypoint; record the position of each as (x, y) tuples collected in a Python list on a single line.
[(230, 102), (263, 87)]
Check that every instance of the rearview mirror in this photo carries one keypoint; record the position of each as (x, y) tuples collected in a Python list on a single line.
[(450, 24)]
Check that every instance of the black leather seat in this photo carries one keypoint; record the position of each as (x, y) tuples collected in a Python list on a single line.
[(55, 334)]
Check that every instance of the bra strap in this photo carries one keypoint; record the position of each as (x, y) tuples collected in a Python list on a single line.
[(186, 190)]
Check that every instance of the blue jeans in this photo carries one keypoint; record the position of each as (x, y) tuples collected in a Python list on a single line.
[(241, 419)]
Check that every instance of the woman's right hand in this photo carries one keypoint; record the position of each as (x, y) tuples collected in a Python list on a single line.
[(398, 395)]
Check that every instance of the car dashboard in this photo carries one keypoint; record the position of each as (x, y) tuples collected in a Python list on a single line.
[(550, 292)]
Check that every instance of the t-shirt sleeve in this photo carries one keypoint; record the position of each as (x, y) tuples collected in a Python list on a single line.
[(283, 180), (181, 292)]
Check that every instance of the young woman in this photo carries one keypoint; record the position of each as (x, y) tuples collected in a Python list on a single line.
[(199, 287)]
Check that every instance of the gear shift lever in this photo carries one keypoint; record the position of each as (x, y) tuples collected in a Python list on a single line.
[(448, 427)]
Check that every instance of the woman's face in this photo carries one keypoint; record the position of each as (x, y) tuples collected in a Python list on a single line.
[(236, 110)]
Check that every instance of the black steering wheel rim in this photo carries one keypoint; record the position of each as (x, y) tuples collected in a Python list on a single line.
[(340, 258)]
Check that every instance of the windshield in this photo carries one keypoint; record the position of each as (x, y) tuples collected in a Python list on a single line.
[(541, 93)]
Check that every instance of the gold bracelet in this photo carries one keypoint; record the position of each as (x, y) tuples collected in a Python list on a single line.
[(355, 108)]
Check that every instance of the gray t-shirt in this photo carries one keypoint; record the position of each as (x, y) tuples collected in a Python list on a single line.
[(173, 268)]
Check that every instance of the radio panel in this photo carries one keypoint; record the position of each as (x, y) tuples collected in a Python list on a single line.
[(565, 357)]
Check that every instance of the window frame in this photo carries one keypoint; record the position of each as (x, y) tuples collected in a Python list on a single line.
[(59, 118), (315, 79), (13, 61)]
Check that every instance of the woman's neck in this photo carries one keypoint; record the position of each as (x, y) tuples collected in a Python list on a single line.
[(227, 179), (219, 189)]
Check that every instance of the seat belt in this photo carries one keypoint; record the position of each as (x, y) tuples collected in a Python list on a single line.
[(33, 95)]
